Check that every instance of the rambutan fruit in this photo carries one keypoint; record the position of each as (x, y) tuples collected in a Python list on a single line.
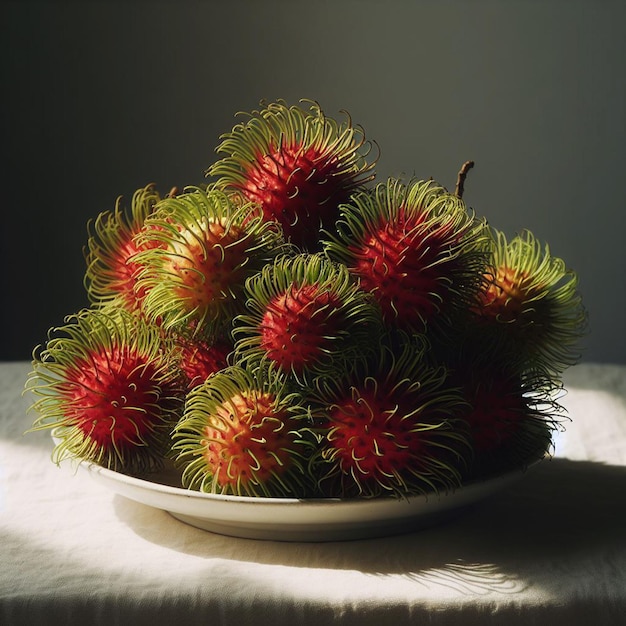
[(389, 425), (511, 418), (111, 273), (305, 314), (202, 247), (297, 164), (415, 247), (105, 385), (529, 306), (244, 433), (198, 359)]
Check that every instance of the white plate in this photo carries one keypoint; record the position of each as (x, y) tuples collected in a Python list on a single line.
[(286, 519)]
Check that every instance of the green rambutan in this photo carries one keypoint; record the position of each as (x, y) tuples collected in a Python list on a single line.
[(111, 273), (297, 164), (107, 388), (415, 247), (389, 425), (529, 306), (201, 249), (304, 314), (243, 433)]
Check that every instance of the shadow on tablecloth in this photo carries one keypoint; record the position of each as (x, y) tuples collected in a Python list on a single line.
[(562, 515)]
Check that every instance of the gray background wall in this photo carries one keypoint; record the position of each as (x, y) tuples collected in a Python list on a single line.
[(102, 98)]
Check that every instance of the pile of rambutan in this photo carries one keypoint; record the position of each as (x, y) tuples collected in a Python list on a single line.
[(295, 329)]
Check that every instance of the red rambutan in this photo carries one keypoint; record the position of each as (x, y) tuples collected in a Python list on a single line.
[(111, 272), (304, 314), (414, 247), (391, 425), (199, 359), (510, 418), (242, 434), (297, 164), (105, 385), (207, 246), (529, 306), (496, 415)]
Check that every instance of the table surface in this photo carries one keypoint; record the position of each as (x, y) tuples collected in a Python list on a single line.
[(550, 549)]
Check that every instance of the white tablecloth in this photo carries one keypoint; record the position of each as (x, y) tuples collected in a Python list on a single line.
[(551, 549)]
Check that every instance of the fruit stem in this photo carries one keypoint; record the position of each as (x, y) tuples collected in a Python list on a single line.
[(460, 181)]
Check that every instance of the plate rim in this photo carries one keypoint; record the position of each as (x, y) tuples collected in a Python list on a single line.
[(305, 519), (144, 483)]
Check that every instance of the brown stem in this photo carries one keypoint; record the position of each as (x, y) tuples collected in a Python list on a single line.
[(460, 181)]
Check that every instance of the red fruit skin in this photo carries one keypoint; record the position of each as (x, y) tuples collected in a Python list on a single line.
[(397, 264), (496, 415), (250, 443), (112, 397), (125, 272), (300, 189), (199, 360), (298, 325), (113, 271), (371, 437)]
